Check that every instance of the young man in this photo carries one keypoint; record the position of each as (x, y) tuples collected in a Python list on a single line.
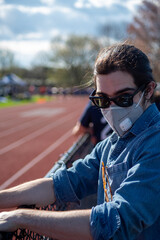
[(124, 169)]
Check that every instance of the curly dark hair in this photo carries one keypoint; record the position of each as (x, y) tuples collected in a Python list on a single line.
[(127, 58)]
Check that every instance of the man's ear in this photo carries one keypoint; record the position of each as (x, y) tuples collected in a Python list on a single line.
[(149, 90)]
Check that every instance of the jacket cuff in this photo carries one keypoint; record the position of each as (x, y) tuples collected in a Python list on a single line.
[(63, 194), (104, 221)]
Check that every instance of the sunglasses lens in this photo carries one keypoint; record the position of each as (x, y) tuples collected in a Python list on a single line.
[(125, 100), (101, 102)]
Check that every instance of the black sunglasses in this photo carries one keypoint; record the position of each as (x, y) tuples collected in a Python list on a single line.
[(123, 100)]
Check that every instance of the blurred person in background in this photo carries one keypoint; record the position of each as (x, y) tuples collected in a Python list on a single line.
[(92, 122)]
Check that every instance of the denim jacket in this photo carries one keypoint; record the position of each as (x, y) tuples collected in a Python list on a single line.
[(133, 163)]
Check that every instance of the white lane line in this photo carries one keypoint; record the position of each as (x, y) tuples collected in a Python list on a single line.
[(36, 133), (18, 128), (31, 122), (37, 159), (42, 112)]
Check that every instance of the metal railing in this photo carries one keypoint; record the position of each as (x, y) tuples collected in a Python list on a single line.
[(79, 149)]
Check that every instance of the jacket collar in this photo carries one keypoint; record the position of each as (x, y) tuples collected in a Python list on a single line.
[(145, 120), (150, 116)]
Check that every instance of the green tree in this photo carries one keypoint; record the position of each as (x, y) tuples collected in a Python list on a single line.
[(73, 59), (41, 59)]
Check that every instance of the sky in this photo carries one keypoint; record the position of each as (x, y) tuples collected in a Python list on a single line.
[(27, 26)]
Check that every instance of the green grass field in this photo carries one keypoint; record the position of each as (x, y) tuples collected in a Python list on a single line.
[(8, 102)]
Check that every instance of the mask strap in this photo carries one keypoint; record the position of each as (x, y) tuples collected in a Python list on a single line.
[(140, 100)]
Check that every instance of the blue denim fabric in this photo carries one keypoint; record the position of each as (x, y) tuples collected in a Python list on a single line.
[(133, 163)]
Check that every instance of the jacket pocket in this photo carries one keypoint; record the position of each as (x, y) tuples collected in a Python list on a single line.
[(117, 173)]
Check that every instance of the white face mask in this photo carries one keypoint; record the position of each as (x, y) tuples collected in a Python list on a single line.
[(121, 119)]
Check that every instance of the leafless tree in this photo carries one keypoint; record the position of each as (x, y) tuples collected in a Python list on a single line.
[(6, 60), (145, 32)]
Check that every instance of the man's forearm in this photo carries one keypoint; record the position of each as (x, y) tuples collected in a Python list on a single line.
[(60, 225), (39, 192), (67, 225)]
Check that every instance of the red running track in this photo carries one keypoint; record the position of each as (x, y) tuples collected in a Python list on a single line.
[(33, 136)]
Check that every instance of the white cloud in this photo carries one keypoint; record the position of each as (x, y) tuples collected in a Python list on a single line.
[(48, 2), (25, 51), (102, 3), (54, 33), (130, 4), (94, 3), (34, 10), (4, 10), (31, 35), (26, 46), (46, 10), (5, 31)]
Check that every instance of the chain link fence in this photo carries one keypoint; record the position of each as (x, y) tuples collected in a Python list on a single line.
[(79, 149)]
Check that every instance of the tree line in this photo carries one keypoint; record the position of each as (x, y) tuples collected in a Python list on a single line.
[(70, 61)]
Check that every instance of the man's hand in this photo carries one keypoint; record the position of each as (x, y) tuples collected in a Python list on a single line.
[(8, 221)]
